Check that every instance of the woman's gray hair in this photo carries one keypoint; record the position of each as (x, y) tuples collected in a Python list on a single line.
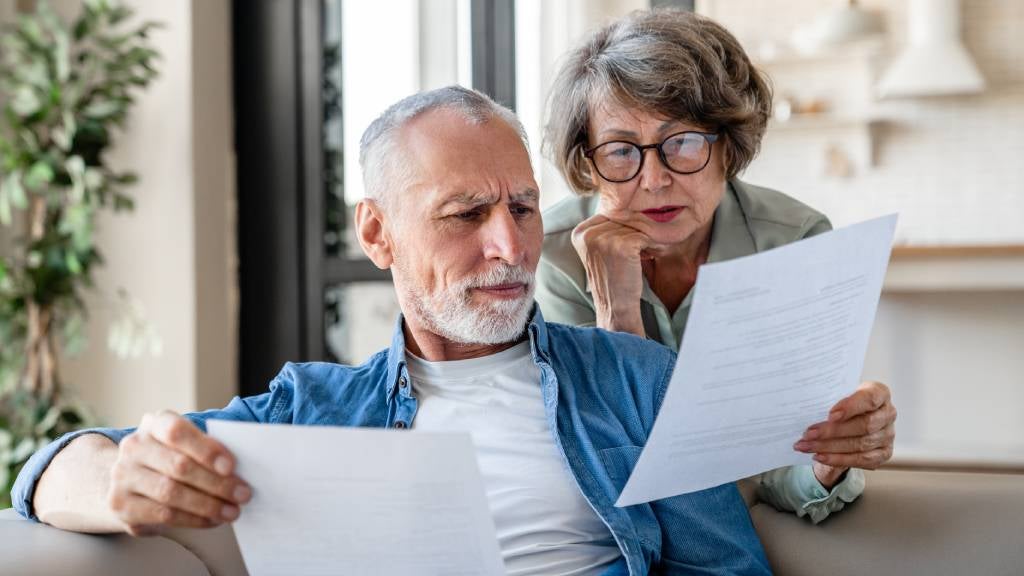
[(386, 165), (668, 62)]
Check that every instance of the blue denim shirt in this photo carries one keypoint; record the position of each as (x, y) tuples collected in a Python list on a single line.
[(601, 391)]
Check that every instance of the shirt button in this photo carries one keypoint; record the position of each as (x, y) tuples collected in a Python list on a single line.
[(399, 424), (401, 382)]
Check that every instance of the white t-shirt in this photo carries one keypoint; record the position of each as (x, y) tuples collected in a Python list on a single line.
[(544, 524)]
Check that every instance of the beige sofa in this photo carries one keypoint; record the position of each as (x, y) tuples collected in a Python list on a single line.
[(907, 522)]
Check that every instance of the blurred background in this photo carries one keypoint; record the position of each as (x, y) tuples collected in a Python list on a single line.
[(239, 254)]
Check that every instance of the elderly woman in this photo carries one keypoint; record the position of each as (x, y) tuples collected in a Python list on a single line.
[(651, 120)]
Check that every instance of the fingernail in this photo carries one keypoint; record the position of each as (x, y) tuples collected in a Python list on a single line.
[(811, 434), (242, 493), (835, 416), (222, 465), (802, 446), (229, 512)]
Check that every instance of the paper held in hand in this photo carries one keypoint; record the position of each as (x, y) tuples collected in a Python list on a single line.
[(772, 341), (330, 500)]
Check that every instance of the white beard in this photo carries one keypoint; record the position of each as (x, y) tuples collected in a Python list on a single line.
[(452, 315)]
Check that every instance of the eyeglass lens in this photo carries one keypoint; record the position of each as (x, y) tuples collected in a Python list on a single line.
[(686, 152)]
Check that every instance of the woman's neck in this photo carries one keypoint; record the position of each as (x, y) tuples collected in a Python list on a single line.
[(672, 272)]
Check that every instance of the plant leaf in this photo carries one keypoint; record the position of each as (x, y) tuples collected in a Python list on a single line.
[(72, 262), (76, 170), (5, 205), (16, 190), (103, 109), (22, 450), (94, 179), (48, 421), (123, 203), (25, 102), (39, 175), (61, 54), (34, 73)]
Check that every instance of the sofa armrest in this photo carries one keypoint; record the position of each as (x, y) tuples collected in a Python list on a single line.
[(29, 548), (216, 547), (906, 522)]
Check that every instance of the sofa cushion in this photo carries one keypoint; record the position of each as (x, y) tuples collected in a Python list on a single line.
[(906, 522)]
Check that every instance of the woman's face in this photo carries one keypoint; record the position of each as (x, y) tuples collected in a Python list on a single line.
[(667, 206)]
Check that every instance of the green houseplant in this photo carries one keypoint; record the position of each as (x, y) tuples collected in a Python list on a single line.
[(65, 88)]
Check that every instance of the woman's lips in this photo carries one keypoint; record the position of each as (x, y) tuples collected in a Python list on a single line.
[(664, 213)]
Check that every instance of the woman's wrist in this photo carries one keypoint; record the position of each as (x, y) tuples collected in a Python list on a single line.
[(829, 476), (626, 319)]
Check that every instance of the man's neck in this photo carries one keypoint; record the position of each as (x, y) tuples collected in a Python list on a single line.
[(434, 348)]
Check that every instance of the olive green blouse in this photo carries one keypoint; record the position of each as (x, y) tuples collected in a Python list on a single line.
[(749, 219)]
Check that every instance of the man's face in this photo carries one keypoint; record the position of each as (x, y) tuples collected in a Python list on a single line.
[(466, 234)]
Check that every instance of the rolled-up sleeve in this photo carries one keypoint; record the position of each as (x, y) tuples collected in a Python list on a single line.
[(263, 408), (25, 485), (795, 489)]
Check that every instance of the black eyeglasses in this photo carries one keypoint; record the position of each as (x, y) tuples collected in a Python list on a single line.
[(682, 153)]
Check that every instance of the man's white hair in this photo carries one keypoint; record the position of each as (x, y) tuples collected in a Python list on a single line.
[(385, 164)]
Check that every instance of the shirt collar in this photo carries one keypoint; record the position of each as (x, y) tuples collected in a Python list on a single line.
[(396, 358), (731, 236), (539, 346)]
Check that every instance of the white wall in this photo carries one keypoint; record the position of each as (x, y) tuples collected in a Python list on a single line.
[(952, 167), (175, 252), (954, 361), (949, 165)]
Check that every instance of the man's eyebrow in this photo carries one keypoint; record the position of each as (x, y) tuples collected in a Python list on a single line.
[(467, 199), (483, 198), (528, 195)]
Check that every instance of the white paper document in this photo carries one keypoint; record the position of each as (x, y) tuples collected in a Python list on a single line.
[(340, 501), (772, 342)]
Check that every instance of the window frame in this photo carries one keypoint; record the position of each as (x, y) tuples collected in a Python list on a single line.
[(284, 270)]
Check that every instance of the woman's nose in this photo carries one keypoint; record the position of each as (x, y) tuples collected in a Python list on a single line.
[(654, 176)]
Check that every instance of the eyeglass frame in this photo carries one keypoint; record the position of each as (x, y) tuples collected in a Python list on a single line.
[(709, 137)]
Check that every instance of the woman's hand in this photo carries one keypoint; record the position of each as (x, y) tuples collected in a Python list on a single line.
[(612, 254), (859, 433)]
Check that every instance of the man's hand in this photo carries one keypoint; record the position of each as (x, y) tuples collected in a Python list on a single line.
[(612, 253), (168, 473), (859, 433)]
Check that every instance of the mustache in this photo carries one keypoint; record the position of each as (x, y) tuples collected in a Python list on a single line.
[(500, 274)]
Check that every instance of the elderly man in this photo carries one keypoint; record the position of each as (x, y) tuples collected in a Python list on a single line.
[(557, 414)]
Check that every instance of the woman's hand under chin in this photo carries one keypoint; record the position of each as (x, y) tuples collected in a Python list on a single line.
[(612, 254)]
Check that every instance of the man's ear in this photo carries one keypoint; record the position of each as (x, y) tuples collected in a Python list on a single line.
[(372, 236)]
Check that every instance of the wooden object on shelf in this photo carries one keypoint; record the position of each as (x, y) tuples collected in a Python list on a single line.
[(955, 268), (957, 251)]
